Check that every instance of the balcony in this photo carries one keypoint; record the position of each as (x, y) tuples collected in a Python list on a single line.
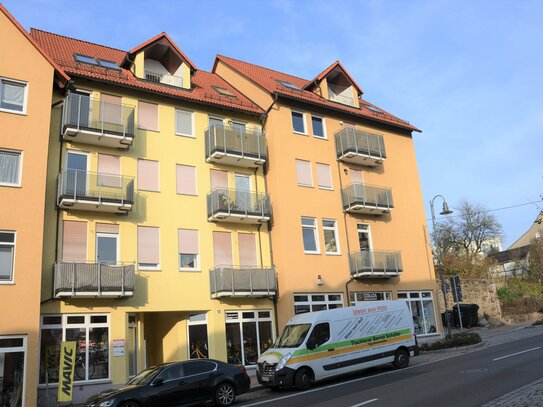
[(81, 279), (233, 281), (237, 206), (165, 79), (367, 199), (360, 147), (91, 191), (236, 146), (375, 264), (93, 121)]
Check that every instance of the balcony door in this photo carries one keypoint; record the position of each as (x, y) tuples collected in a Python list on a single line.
[(107, 245), (76, 174), (243, 192), (79, 108), (364, 237)]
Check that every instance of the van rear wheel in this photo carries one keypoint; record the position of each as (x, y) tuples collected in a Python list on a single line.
[(401, 359), (302, 379)]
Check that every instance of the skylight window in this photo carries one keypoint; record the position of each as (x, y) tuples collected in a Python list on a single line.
[(224, 92), (87, 60), (373, 109), (289, 85), (108, 64), (97, 62)]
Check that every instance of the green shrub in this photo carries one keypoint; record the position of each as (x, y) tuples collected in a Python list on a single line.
[(540, 322), (454, 341)]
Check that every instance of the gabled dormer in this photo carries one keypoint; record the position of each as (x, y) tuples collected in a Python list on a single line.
[(335, 84), (160, 60)]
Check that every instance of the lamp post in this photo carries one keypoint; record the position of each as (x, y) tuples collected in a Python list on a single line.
[(445, 211)]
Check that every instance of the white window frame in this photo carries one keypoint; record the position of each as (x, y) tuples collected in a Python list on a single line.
[(325, 135), (315, 228), (310, 173), (14, 245), (353, 301), (158, 175), (193, 135), (209, 117), (197, 266), (368, 233), (304, 121), (336, 236), (117, 240), (157, 116), (407, 297), (23, 349), (20, 177), (312, 302), (330, 188), (25, 101), (151, 266), (195, 323), (195, 178), (240, 319)]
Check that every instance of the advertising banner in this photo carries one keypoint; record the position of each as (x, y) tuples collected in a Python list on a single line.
[(66, 371)]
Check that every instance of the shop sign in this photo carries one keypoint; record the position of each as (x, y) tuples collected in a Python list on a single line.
[(66, 369)]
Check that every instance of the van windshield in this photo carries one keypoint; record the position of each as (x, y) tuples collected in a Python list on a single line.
[(292, 336)]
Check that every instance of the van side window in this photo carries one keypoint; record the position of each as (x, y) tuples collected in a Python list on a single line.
[(320, 334)]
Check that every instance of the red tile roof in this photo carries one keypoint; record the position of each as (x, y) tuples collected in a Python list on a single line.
[(167, 38), (268, 79), (62, 49), (59, 72)]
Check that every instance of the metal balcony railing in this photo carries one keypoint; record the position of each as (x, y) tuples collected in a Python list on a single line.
[(73, 279), (351, 142), (375, 263), (82, 112), (232, 281), (223, 203), (166, 79), (97, 188), (222, 140), (363, 197)]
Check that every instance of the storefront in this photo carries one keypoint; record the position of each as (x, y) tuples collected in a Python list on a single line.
[(421, 304), (12, 369), (248, 334)]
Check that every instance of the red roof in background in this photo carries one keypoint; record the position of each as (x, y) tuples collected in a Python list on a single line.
[(323, 74), (62, 49), (267, 79), (64, 77), (173, 44)]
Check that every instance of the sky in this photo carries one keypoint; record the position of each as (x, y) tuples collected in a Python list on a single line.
[(468, 73)]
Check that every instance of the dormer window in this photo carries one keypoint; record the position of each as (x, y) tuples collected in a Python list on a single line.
[(97, 62), (224, 92)]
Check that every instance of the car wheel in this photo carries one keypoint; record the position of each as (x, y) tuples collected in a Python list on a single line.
[(129, 404), (401, 359), (302, 379), (225, 394)]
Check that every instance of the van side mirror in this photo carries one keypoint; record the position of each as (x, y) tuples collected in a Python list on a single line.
[(158, 382)]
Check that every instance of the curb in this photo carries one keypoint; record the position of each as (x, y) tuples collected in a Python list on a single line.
[(450, 350)]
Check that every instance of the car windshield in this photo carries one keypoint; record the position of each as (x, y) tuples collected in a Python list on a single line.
[(144, 376), (292, 336)]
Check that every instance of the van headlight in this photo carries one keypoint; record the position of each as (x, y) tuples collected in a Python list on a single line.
[(283, 361)]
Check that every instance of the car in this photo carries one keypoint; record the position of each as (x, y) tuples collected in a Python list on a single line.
[(178, 384)]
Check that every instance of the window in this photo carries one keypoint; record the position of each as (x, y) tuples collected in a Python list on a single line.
[(222, 249), (7, 255), (147, 116), (109, 171), (248, 335), (184, 123), (331, 242), (324, 176), (309, 232), (188, 250), (13, 96), (373, 109), (148, 248), (10, 168), (247, 250), (91, 334), (358, 297), (303, 173), (12, 360), (198, 343), (317, 123), (364, 238), (289, 85), (186, 179), (148, 175), (319, 336), (74, 241), (111, 110), (421, 304), (298, 122), (316, 302), (107, 243), (199, 367), (224, 92), (97, 62)]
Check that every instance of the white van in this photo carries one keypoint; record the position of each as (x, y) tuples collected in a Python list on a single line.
[(323, 344)]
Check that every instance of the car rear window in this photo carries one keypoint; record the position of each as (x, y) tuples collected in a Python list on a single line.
[(200, 366)]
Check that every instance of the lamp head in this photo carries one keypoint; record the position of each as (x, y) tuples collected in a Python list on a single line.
[(446, 210)]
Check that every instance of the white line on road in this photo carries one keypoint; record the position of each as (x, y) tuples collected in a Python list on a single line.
[(365, 402), (515, 354)]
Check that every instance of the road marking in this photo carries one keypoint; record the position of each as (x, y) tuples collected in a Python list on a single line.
[(515, 354), (365, 402)]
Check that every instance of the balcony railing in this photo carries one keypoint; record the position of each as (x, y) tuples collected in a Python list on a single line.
[(231, 205), (166, 79), (368, 199), (93, 191), (360, 147), (234, 281), (237, 146), (375, 264), (94, 121), (84, 279)]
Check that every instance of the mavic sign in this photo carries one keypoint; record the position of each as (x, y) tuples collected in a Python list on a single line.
[(66, 371)]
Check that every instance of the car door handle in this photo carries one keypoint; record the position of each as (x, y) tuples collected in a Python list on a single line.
[(330, 350), (181, 382)]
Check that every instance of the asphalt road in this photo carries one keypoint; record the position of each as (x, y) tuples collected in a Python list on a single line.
[(465, 380)]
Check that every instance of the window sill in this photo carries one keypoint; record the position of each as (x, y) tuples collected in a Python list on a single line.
[(149, 268), (312, 253), (23, 113), (326, 188), (185, 135), (151, 130), (11, 282), (299, 133), (10, 185), (320, 137), (332, 254), (305, 186), (186, 270), (147, 190), (183, 194)]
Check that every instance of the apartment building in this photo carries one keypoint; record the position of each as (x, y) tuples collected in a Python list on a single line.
[(157, 239), (348, 222), (26, 82)]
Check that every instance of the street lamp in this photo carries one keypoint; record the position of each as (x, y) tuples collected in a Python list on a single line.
[(445, 211)]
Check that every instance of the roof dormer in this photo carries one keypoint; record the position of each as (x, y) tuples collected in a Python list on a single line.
[(160, 60), (335, 84)]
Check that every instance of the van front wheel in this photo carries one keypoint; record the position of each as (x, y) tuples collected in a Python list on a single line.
[(401, 359), (302, 379)]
